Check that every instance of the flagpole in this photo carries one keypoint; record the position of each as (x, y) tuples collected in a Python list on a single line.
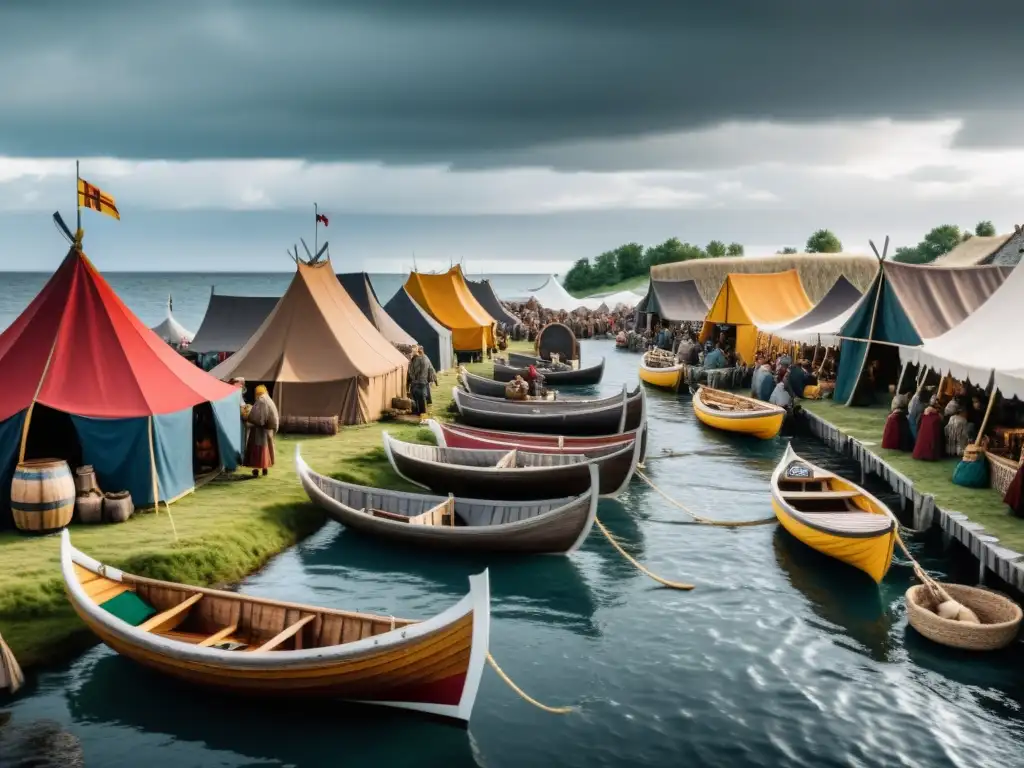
[(78, 200), (316, 229)]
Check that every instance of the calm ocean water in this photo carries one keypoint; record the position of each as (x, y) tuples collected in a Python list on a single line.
[(779, 657), (146, 293)]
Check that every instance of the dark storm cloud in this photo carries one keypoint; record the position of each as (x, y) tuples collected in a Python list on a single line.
[(440, 80)]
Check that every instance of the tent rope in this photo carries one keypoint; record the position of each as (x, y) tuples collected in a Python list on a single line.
[(522, 694), (705, 520), (673, 584)]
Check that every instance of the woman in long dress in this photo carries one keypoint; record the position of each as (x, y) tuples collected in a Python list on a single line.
[(263, 422)]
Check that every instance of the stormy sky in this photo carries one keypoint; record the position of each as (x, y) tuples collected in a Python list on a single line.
[(517, 136)]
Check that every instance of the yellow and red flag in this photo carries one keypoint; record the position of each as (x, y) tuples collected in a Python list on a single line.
[(96, 199)]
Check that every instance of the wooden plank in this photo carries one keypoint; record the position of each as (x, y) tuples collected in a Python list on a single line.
[(217, 636), (283, 635), (821, 494), (170, 614), (103, 590)]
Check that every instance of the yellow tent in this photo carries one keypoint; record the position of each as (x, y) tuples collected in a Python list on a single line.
[(447, 299), (750, 300)]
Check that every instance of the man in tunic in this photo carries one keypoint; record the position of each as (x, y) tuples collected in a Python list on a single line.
[(421, 373), (263, 421)]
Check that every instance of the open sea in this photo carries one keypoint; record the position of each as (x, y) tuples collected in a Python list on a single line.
[(146, 293), (779, 657)]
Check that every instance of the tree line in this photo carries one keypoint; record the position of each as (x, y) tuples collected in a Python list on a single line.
[(633, 260)]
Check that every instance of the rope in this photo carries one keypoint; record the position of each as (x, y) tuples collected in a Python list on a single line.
[(705, 520), (630, 558), (522, 694)]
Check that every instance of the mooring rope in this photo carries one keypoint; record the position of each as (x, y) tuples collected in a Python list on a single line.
[(927, 580), (705, 520), (522, 694), (630, 558)]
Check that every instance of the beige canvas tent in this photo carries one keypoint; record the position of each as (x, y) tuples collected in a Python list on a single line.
[(320, 353)]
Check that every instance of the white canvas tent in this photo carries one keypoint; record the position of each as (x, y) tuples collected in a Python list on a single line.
[(612, 300), (551, 295), (171, 331), (984, 345)]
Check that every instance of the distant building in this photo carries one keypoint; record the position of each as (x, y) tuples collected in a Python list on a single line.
[(1001, 250)]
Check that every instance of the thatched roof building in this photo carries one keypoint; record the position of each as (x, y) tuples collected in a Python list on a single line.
[(818, 271), (999, 250)]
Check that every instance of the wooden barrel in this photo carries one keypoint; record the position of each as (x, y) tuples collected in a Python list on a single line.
[(90, 508), (85, 479), (42, 495), (117, 506)]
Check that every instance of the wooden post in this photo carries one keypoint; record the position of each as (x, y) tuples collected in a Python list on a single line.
[(874, 317), (78, 203), (902, 374), (988, 412)]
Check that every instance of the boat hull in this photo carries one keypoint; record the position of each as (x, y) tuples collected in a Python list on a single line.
[(555, 417), (663, 378), (872, 555), (462, 436), (575, 378), (763, 425), (275, 648), (560, 530)]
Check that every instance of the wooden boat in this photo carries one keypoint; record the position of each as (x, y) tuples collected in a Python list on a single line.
[(661, 371), (534, 527), (577, 377), (519, 360), (832, 515), (611, 418), (479, 385), (554, 404), (461, 436), (736, 413), (259, 646), (514, 475)]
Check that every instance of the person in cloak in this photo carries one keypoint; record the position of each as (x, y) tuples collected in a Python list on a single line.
[(535, 380), (1014, 497), (956, 433), (797, 379), (780, 395), (930, 444), (263, 422), (914, 413), (421, 372), (896, 435), (766, 384), (715, 359)]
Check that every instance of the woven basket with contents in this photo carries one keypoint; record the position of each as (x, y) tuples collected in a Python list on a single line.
[(999, 617)]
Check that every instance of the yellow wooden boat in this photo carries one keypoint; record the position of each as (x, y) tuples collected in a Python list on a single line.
[(833, 516), (659, 369), (260, 646), (735, 413)]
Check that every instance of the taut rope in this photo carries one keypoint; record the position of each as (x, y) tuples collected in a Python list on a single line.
[(631, 559), (705, 520)]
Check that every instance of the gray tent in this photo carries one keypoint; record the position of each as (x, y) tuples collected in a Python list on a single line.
[(676, 301), (435, 339), (230, 321), (358, 286), (483, 292)]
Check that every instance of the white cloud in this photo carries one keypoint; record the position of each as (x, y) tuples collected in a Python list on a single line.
[(825, 169)]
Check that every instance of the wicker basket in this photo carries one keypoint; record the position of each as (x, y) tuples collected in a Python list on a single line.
[(117, 506), (1000, 471), (999, 615)]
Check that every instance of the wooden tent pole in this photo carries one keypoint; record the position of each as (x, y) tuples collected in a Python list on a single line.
[(988, 412), (903, 373), (874, 317), (823, 361)]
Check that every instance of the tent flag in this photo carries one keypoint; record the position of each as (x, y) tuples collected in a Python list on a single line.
[(172, 443), (95, 199), (226, 415), (10, 440)]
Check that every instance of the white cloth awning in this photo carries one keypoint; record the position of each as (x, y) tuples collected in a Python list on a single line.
[(551, 295)]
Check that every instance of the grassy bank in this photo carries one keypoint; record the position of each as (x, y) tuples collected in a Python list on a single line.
[(632, 283), (225, 530), (982, 505)]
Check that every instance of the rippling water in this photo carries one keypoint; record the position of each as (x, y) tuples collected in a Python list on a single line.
[(779, 657)]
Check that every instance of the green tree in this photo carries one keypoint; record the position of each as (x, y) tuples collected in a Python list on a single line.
[(985, 229), (580, 277), (629, 260), (824, 241), (908, 254), (715, 249), (606, 270), (788, 249), (940, 240), (734, 249)]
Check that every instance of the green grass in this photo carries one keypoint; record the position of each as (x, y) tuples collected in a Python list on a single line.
[(632, 283), (226, 530), (982, 505)]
